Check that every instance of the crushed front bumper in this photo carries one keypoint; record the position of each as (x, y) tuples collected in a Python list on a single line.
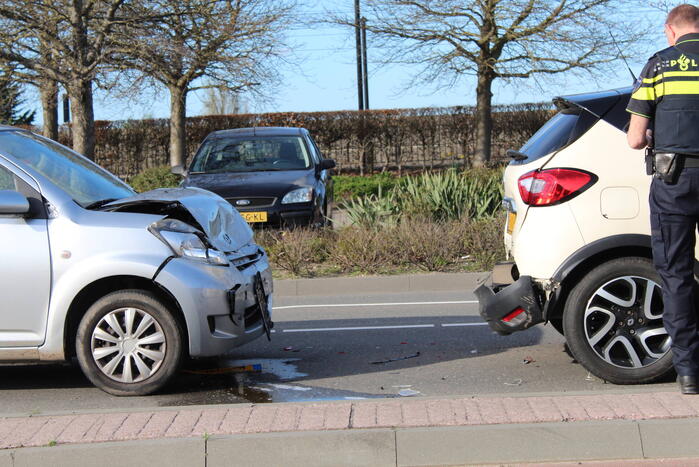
[(219, 303), (509, 302)]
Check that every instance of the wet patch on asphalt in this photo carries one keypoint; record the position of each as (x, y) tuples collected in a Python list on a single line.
[(251, 380)]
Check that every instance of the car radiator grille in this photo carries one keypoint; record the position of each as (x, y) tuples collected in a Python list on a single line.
[(261, 202), (244, 262)]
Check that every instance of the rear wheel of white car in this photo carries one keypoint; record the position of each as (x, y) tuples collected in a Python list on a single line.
[(613, 323), (129, 343)]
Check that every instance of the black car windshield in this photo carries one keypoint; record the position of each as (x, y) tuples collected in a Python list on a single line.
[(251, 154), (85, 182)]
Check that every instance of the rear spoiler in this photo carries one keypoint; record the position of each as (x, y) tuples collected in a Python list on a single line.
[(597, 103)]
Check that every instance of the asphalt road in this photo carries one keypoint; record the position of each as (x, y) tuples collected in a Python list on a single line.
[(341, 347)]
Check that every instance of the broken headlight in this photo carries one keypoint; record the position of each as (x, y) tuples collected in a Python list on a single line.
[(186, 241)]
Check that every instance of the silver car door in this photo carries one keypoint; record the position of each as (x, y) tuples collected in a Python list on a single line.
[(25, 269)]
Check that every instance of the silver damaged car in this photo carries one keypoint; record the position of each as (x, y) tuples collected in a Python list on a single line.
[(129, 284)]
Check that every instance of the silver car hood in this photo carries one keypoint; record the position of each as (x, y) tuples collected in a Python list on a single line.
[(221, 222)]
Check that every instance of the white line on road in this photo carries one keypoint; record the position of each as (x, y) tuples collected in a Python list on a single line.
[(453, 325), (352, 305), (361, 328)]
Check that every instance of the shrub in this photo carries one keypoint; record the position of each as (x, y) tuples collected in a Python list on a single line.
[(410, 245), (484, 242), (381, 209), (296, 251), (443, 196), (348, 187), (155, 177), (361, 249), (428, 245)]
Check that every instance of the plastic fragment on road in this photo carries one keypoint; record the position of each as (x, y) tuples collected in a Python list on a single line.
[(397, 359), (408, 392), (528, 360)]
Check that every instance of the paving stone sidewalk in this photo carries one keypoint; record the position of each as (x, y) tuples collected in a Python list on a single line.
[(41, 430)]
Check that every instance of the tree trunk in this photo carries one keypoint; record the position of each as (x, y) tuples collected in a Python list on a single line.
[(83, 118), (49, 105), (484, 117), (178, 105)]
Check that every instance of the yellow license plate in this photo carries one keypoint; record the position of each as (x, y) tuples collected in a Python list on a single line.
[(254, 216), (511, 220)]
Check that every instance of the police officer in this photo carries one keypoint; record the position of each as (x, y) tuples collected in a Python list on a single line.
[(666, 100)]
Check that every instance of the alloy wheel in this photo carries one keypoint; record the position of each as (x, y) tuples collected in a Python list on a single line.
[(623, 322), (128, 345)]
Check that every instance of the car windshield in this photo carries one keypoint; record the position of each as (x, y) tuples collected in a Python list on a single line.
[(85, 182), (251, 154)]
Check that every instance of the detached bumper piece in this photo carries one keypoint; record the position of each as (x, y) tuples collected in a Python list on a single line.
[(508, 303)]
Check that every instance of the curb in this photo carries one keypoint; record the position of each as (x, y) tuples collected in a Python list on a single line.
[(487, 444), (378, 284)]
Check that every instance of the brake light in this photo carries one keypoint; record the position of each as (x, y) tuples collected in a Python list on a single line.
[(553, 186), (516, 318)]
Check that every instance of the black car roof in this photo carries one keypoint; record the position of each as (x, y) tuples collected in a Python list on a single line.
[(260, 131)]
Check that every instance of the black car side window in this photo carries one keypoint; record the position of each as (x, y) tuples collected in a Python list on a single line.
[(316, 152)]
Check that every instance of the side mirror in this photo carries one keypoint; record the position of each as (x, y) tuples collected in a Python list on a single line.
[(326, 164), (13, 204), (179, 170)]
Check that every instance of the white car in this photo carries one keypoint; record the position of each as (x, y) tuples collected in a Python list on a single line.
[(578, 237)]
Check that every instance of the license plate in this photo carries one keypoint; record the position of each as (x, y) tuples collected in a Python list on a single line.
[(254, 216), (511, 220)]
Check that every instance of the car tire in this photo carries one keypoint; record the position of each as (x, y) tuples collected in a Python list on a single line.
[(613, 323), (129, 327)]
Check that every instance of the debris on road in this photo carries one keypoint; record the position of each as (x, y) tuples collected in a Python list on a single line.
[(397, 359), (528, 360), (517, 382), (408, 392), (256, 368)]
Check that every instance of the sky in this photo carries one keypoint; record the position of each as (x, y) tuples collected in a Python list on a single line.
[(325, 79)]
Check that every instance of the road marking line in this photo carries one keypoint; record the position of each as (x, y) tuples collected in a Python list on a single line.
[(453, 325), (348, 305), (361, 328)]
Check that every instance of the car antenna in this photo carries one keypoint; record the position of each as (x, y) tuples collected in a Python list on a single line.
[(622, 56)]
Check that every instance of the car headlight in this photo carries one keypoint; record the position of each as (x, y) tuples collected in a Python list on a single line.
[(300, 195), (186, 241)]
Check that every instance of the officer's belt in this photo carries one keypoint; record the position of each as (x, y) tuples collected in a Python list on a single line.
[(690, 160)]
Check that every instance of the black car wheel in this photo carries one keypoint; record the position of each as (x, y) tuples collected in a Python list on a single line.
[(613, 323), (129, 343)]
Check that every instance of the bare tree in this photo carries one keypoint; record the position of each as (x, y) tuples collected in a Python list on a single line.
[(499, 39), (232, 43), (62, 41), (222, 101)]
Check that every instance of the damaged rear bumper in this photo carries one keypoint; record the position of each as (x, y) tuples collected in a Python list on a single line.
[(509, 302)]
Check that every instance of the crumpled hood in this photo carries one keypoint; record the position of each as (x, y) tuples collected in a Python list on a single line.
[(220, 221)]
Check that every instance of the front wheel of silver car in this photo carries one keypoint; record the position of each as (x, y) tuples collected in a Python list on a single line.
[(613, 323), (129, 343)]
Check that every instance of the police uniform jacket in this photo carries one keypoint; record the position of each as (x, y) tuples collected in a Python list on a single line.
[(668, 93)]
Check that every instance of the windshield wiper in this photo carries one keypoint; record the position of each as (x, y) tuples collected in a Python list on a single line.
[(100, 203), (516, 155)]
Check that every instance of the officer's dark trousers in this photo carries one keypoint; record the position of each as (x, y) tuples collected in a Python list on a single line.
[(674, 219)]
